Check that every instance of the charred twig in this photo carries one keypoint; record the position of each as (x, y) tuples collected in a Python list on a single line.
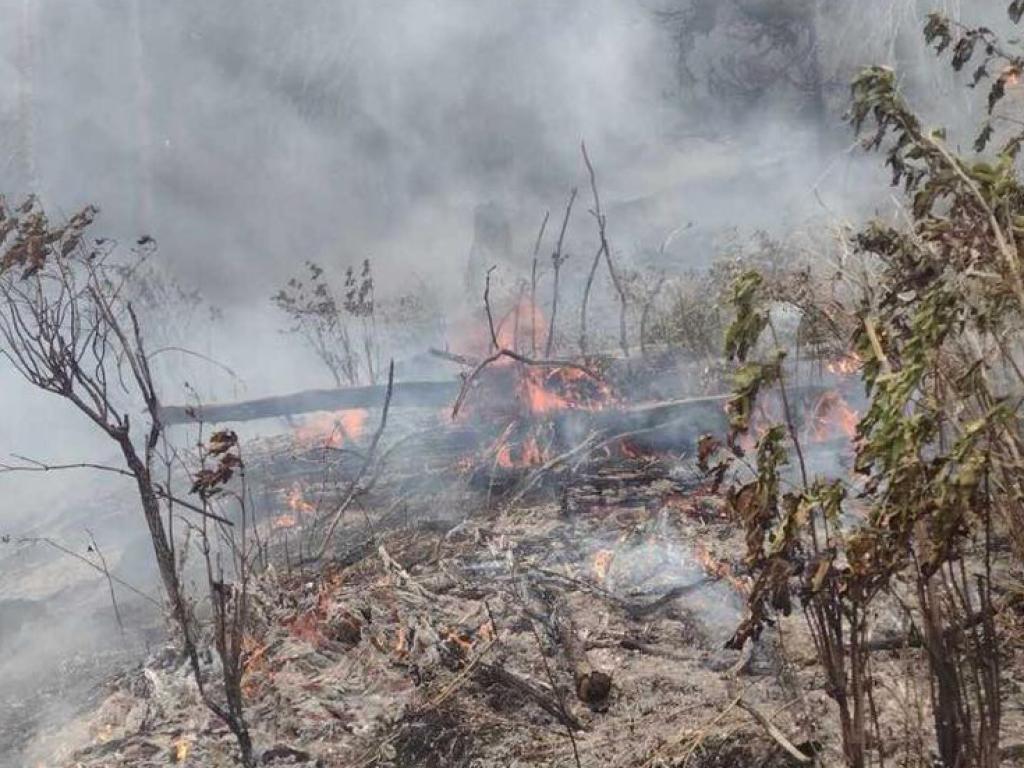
[(61, 548), (39, 466), (533, 285), (557, 259), (640, 611), (604, 249), (353, 487), (110, 581), (487, 308), (451, 357), (645, 313)]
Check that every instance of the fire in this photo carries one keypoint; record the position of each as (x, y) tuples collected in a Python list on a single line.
[(332, 429), (1011, 76), (720, 569), (401, 645), (285, 521), (831, 418), (560, 389), (296, 501), (525, 452), (254, 662), (181, 749), (603, 563), (298, 508), (521, 326), (845, 365)]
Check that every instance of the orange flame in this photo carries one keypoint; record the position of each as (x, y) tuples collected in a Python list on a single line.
[(296, 501), (719, 568), (603, 563), (298, 507), (520, 325), (832, 418), (560, 389), (332, 429), (1011, 76), (181, 749), (284, 521), (844, 366)]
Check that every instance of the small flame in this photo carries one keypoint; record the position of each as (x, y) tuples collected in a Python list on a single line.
[(298, 508), (181, 749), (526, 453), (401, 646), (332, 429), (460, 640), (845, 365), (1011, 76), (561, 389), (285, 521), (832, 418), (720, 569), (296, 501), (603, 563)]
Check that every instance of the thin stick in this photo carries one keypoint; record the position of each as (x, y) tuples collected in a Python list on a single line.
[(586, 298), (774, 732), (557, 260), (61, 548), (559, 696), (353, 486), (600, 218), (110, 582), (39, 466), (487, 308), (452, 357), (533, 285)]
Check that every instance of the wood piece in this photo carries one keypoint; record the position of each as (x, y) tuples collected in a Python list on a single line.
[(774, 732), (593, 687), (496, 673), (409, 394)]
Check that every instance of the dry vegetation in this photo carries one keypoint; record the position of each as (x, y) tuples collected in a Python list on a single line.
[(575, 565)]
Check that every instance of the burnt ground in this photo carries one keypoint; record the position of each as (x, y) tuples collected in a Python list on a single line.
[(461, 623)]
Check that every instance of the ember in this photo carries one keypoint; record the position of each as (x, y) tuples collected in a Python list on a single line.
[(181, 749), (603, 563)]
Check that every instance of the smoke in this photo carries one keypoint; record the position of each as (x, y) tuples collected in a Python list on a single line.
[(248, 138)]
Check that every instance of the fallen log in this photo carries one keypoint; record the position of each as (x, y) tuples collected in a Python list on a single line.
[(409, 394)]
